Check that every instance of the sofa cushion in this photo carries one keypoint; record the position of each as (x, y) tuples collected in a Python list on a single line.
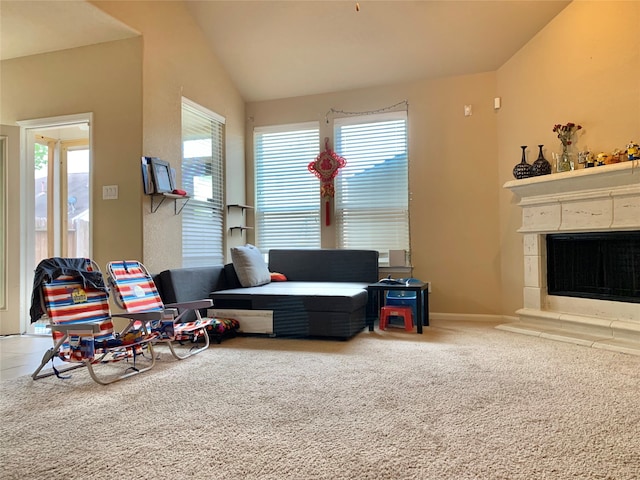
[(230, 277), (325, 265), (311, 296), (189, 284), (250, 266), (278, 277)]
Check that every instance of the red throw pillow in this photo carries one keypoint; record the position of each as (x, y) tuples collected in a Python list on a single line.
[(278, 277)]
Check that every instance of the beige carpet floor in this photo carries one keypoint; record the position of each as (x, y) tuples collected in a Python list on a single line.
[(462, 401)]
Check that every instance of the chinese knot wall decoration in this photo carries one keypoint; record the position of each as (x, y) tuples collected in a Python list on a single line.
[(325, 167)]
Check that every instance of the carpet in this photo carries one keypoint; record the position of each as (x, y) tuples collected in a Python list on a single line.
[(462, 401)]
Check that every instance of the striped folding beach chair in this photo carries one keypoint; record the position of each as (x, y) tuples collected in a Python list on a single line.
[(71, 292), (135, 291)]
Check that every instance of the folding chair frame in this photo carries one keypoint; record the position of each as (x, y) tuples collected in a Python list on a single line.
[(54, 352), (168, 311), (199, 322), (115, 353)]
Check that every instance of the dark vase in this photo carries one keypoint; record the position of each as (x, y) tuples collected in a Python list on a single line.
[(523, 169), (541, 166)]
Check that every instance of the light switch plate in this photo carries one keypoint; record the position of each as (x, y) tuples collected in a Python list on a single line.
[(110, 192), (467, 110)]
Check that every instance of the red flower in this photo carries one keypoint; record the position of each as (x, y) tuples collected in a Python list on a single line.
[(565, 132)]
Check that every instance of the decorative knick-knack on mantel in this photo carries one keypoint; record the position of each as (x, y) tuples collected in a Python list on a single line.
[(564, 160), (522, 169), (541, 166)]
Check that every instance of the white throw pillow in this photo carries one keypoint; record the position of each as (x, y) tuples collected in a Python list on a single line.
[(250, 266)]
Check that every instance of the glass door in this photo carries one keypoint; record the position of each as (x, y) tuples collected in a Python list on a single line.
[(62, 214), (59, 222)]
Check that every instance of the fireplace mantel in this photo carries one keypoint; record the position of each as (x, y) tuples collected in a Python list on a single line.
[(599, 199), (591, 199), (606, 176)]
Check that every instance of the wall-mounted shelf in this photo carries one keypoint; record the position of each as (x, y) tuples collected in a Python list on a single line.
[(171, 196), (241, 207), (241, 228)]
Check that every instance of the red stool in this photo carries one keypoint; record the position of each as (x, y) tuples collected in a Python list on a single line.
[(396, 311)]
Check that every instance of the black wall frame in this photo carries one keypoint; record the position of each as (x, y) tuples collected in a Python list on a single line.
[(161, 174)]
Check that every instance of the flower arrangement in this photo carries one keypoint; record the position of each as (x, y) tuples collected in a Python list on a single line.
[(565, 132)]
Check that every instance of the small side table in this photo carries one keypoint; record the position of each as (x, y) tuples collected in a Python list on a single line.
[(377, 293)]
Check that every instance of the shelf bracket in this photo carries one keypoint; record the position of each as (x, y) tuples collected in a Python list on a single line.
[(164, 196), (176, 210), (239, 206), (242, 209), (242, 229), (154, 210)]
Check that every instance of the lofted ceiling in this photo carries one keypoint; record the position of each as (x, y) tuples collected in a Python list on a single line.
[(31, 27), (279, 49)]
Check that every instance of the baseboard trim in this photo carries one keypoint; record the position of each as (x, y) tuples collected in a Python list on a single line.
[(470, 317), (568, 333)]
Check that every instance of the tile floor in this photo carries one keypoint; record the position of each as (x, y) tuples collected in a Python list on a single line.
[(21, 354)]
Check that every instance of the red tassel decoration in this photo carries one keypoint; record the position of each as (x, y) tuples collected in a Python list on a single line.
[(327, 218)]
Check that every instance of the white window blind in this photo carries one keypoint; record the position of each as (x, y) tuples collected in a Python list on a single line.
[(203, 179), (287, 208), (372, 192)]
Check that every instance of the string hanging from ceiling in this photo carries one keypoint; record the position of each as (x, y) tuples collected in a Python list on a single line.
[(335, 111)]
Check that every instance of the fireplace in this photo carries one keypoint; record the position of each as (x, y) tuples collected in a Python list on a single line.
[(574, 225), (604, 265)]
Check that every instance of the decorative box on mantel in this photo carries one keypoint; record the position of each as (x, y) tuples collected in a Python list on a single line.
[(599, 199)]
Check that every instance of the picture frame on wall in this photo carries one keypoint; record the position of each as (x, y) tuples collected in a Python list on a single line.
[(147, 180), (162, 178)]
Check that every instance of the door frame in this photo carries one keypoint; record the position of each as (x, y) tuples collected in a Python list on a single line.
[(4, 198), (27, 198)]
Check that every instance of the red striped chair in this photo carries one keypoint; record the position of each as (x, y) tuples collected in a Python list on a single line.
[(136, 292), (71, 292)]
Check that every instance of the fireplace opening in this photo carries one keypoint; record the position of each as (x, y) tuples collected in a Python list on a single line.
[(603, 266)]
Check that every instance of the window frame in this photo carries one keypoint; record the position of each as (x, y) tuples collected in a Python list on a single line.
[(300, 226), (203, 220), (369, 202)]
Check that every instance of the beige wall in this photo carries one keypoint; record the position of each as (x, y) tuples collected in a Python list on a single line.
[(105, 79), (454, 201), (10, 191), (134, 89), (583, 67), (178, 62)]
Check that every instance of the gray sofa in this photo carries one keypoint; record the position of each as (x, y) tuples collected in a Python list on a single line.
[(325, 294)]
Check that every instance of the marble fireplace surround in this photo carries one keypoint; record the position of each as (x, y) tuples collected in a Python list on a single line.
[(599, 199)]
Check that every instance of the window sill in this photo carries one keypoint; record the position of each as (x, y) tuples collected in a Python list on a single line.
[(388, 269)]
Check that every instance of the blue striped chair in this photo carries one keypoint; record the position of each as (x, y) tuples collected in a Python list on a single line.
[(73, 296), (136, 292)]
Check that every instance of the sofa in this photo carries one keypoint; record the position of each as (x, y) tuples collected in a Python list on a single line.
[(324, 294)]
